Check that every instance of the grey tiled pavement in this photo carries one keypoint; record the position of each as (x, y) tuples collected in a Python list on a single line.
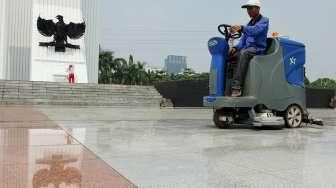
[(168, 148)]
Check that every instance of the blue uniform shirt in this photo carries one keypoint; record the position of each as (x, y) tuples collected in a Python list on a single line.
[(255, 35)]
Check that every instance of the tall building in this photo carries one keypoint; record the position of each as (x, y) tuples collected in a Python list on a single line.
[(175, 64), (21, 57)]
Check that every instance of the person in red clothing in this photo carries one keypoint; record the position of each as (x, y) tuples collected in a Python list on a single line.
[(71, 74)]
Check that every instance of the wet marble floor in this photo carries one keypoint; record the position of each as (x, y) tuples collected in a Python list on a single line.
[(36, 153), (181, 148), (158, 148)]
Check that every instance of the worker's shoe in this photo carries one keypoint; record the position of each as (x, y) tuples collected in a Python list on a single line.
[(236, 89), (236, 93)]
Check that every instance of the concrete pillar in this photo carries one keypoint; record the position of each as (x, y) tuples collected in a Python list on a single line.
[(2, 38)]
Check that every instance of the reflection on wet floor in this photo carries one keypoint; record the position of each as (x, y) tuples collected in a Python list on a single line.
[(57, 173), (36, 153)]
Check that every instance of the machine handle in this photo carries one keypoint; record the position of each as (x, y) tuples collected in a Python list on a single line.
[(228, 35)]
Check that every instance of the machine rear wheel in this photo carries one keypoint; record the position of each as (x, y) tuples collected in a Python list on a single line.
[(222, 120), (293, 116)]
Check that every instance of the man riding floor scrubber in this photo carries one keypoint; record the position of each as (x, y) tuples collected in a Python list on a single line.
[(264, 83), (274, 90)]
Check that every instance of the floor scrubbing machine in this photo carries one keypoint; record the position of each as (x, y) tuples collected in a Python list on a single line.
[(273, 92)]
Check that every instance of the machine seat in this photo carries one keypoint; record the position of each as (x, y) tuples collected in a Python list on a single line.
[(271, 46)]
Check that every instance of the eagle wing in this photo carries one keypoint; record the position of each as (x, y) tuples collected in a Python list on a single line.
[(75, 31), (47, 28)]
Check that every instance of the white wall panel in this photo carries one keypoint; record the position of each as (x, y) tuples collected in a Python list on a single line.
[(19, 39), (91, 13), (2, 37)]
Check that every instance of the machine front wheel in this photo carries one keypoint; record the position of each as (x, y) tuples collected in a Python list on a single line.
[(293, 116), (222, 120)]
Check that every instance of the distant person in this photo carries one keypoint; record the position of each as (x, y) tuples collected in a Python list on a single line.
[(253, 42), (71, 74)]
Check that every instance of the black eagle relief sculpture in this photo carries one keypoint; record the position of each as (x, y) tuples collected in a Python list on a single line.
[(60, 31)]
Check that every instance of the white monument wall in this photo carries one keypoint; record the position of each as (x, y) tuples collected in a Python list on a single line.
[(20, 56), (2, 36), (46, 64)]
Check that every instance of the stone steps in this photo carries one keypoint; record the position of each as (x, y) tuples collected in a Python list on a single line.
[(49, 93)]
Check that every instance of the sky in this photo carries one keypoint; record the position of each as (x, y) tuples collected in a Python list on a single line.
[(153, 29)]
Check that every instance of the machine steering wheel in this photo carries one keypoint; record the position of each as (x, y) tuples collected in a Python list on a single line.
[(228, 35)]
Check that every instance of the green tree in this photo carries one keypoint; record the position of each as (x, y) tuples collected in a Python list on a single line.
[(114, 70), (105, 67), (324, 83), (119, 71)]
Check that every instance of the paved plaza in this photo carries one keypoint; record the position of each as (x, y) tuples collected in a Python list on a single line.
[(158, 148)]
